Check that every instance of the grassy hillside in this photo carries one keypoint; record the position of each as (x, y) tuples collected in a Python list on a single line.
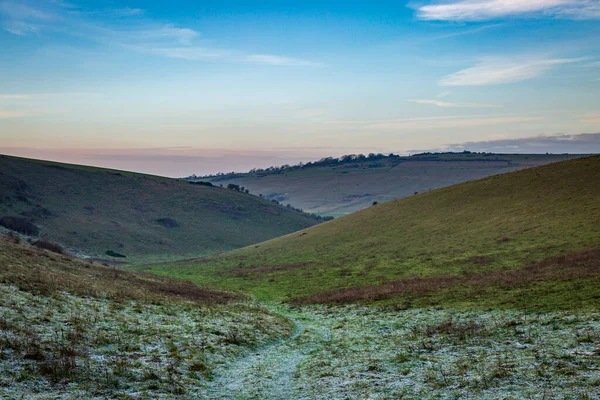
[(146, 218), (338, 188), (72, 329), (456, 245)]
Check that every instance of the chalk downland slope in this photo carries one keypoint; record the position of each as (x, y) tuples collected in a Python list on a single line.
[(108, 214), (339, 188), (527, 238), (74, 329)]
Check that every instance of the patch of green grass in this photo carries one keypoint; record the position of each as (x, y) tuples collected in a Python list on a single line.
[(93, 210), (500, 223)]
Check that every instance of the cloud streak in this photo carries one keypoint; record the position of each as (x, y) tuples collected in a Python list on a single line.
[(481, 10), (447, 104), (128, 28), (495, 71)]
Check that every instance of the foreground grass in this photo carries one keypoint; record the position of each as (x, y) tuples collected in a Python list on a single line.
[(70, 329), (381, 353), (469, 231)]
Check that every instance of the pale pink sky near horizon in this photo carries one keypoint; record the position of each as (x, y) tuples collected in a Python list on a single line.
[(185, 160)]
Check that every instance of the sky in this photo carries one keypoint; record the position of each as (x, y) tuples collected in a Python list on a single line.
[(181, 87)]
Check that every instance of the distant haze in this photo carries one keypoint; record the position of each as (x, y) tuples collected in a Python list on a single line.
[(185, 161)]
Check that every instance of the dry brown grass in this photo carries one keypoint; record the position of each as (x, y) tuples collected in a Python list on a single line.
[(574, 265), (35, 270)]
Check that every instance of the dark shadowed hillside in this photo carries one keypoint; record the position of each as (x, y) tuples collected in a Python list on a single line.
[(110, 214)]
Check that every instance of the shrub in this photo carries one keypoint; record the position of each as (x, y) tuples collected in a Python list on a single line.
[(201, 183), (115, 254), (46, 245), (168, 222), (21, 225), (14, 238)]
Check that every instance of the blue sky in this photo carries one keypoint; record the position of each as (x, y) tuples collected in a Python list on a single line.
[(176, 87)]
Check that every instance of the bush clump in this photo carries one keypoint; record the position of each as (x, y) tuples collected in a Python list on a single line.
[(168, 222), (46, 245), (115, 254), (21, 225)]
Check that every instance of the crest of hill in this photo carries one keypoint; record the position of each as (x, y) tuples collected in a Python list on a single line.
[(133, 217), (494, 225), (339, 186)]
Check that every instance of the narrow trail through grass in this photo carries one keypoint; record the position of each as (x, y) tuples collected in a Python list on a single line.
[(271, 372), (354, 351)]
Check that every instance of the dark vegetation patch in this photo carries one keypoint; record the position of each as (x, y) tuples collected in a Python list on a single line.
[(38, 213), (167, 222), (29, 269), (106, 262), (22, 199), (47, 245), (56, 166), (201, 183), (113, 253), (451, 326), (21, 225), (479, 260), (247, 271), (572, 266)]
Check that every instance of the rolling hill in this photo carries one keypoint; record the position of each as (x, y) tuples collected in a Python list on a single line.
[(529, 238), (340, 186), (92, 211)]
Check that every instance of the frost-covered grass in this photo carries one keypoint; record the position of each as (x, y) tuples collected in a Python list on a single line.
[(355, 352), (363, 352), (76, 330), (66, 346)]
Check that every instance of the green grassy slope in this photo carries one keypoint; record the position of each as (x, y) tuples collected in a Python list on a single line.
[(93, 210), (472, 230), (72, 329), (354, 185)]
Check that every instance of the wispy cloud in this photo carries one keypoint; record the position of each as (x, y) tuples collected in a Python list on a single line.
[(591, 118), (494, 71), (181, 35), (14, 96), (447, 104), (479, 10), (13, 114), (441, 122), (278, 60), (124, 12), (574, 144), (126, 27), (443, 94), (452, 123), (184, 53)]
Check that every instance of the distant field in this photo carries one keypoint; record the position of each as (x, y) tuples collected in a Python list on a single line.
[(340, 188), (527, 239), (92, 211)]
